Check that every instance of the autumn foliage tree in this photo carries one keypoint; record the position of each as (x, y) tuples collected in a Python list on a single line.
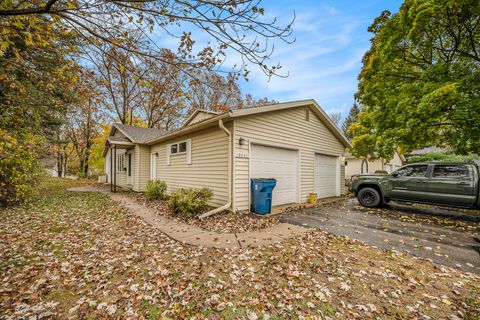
[(45, 45), (164, 90), (36, 87), (232, 25), (214, 92), (350, 119), (420, 81), (82, 125)]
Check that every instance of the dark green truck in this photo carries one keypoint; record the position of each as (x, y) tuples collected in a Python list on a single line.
[(450, 184)]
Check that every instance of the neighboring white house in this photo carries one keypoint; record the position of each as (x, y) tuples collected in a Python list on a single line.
[(49, 165), (295, 143), (362, 165)]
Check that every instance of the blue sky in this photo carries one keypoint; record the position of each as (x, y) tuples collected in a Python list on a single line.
[(323, 63)]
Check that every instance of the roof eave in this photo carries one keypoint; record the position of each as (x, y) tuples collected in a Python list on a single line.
[(194, 127), (282, 106)]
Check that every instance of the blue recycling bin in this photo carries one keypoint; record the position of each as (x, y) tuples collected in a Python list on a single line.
[(262, 195)]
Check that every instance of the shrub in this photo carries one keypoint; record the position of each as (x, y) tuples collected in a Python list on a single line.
[(19, 168), (156, 190), (190, 202)]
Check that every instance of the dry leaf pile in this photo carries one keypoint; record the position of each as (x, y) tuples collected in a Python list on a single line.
[(78, 255), (226, 222)]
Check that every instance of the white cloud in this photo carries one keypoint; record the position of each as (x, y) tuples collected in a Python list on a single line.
[(322, 63)]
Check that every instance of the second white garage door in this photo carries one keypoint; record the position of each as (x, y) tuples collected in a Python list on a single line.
[(281, 164), (325, 176)]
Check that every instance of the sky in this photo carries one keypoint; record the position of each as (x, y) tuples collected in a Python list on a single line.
[(324, 62)]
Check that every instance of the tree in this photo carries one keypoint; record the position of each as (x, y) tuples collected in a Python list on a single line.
[(249, 101), (420, 81), (36, 87), (82, 125), (163, 95), (214, 92), (96, 162), (233, 26), (336, 117), (121, 80), (350, 119)]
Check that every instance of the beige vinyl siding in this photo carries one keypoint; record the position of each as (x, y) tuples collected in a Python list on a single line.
[(289, 129), (142, 167), (208, 168), (354, 166), (343, 188)]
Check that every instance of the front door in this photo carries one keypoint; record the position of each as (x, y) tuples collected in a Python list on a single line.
[(130, 167), (409, 182), (153, 166)]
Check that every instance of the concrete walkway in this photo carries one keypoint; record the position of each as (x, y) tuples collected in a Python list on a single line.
[(196, 236)]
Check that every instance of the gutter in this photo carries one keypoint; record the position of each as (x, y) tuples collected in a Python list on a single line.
[(229, 176)]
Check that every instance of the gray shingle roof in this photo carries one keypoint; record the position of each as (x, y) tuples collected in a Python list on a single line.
[(118, 139), (139, 134), (423, 151)]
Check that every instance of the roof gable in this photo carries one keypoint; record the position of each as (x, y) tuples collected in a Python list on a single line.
[(200, 115), (312, 104), (138, 134)]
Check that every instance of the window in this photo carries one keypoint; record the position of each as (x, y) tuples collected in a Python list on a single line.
[(129, 164), (174, 148), (413, 171), (450, 171), (182, 147), (120, 162)]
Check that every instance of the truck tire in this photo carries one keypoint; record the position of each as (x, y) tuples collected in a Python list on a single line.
[(369, 197)]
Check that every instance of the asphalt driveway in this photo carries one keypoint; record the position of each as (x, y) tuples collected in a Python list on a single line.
[(443, 237)]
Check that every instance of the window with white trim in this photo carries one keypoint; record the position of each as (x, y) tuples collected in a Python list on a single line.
[(120, 162), (181, 147)]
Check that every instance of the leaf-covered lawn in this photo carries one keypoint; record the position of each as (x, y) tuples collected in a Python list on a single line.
[(78, 255)]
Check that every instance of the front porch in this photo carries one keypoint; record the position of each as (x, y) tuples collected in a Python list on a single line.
[(120, 163)]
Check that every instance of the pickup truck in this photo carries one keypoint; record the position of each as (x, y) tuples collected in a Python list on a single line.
[(450, 184)]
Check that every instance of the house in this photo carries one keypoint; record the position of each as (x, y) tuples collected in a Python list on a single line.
[(427, 150), (362, 165), (49, 166), (295, 143)]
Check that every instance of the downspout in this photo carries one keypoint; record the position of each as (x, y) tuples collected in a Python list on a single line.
[(229, 176)]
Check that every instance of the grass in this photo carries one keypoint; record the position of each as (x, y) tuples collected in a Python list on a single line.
[(64, 249)]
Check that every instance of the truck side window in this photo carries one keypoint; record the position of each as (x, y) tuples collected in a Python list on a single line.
[(413, 171), (450, 171)]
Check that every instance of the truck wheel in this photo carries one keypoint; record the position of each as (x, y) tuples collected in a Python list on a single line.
[(369, 197)]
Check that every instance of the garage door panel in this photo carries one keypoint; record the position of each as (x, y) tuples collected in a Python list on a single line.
[(280, 164), (325, 176)]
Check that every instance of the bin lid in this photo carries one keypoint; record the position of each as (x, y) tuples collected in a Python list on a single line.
[(264, 179)]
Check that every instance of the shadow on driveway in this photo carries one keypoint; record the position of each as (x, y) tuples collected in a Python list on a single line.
[(441, 238)]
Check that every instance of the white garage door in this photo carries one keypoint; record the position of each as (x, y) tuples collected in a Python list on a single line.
[(325, 176), (281, 164)]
